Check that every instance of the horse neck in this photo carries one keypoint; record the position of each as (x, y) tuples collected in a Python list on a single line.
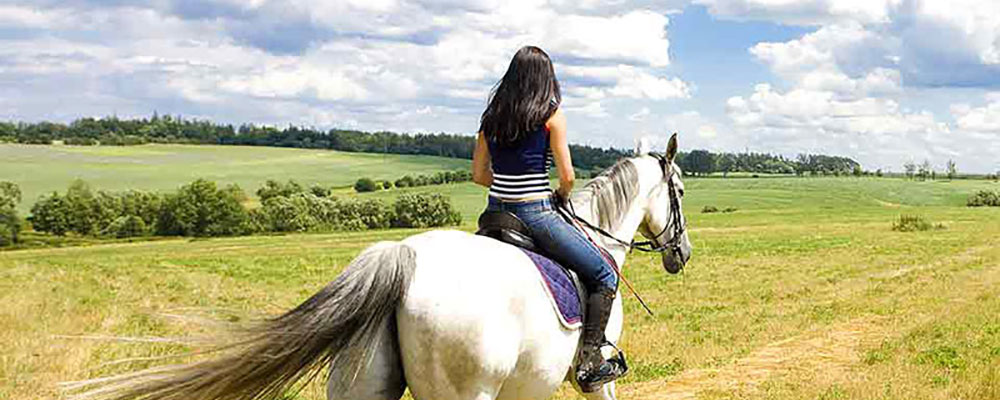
[(627, 226)]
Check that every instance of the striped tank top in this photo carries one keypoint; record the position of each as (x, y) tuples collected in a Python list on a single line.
[(521, 170)]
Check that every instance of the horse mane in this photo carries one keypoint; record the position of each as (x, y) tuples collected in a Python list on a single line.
[(611, 193)]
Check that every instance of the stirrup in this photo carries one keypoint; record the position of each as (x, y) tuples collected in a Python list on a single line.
[(618, 359), (618, 363)]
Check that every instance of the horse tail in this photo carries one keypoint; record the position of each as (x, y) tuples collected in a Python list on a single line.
[(339, 324)]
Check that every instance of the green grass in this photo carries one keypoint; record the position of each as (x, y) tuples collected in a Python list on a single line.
[(42, 169), (800, 258)]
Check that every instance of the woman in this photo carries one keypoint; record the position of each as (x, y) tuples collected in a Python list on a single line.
[(520, 130)]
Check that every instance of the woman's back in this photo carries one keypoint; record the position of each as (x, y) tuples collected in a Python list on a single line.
[(521, 169)]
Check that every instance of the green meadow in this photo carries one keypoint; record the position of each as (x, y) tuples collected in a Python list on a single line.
[(42, 169), (804, 291)]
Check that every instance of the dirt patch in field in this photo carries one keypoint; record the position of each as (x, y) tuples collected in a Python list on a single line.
[(832, 351)]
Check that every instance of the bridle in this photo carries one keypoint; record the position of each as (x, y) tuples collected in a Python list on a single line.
[(652, 245)]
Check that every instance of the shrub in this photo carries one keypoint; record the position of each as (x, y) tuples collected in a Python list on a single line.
[(145, 205), (709, 209), (375, 214), (729, 209), (274, 188), (51, 214), (10, 195), (424, 210), (10, 222), (127, 226), (386, 185), (202, 209), (984, 198), (405, 181), (365, 185), (10, 226), (291, 213), (913, 223), (320, 191)]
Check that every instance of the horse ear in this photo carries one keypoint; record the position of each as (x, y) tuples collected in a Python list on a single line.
[(672, 147)]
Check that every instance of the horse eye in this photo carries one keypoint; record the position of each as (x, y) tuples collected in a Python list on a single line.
[(682, 192)]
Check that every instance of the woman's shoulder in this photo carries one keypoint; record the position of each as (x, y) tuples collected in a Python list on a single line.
[(557, 119)]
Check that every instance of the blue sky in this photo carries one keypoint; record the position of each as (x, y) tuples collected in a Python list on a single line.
[(883, 81)]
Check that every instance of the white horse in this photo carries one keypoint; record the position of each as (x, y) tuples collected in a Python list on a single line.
[(451, 315)]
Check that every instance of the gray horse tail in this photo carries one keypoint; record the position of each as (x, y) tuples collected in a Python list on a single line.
[(339, 324)]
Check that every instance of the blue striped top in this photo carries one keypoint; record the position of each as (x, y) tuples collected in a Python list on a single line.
[(521, 170)]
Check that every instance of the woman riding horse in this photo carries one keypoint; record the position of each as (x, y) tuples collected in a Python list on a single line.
[(520, 132)]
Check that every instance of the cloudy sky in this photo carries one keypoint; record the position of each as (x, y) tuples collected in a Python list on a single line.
[(883, 81)]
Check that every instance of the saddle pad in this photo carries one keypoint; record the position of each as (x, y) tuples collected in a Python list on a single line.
[(562, 289)]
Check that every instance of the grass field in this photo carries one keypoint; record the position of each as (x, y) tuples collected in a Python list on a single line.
[(803, 292), (42, 169)]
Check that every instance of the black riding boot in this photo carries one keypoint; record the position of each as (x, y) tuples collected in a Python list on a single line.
[(593, 370)]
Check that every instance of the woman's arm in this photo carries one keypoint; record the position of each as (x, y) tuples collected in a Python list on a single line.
[(560, 152), (482, 171)]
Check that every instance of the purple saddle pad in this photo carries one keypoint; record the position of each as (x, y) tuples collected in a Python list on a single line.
[(561, 287)]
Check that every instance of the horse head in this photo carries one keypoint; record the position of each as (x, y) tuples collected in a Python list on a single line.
[(664, 224)]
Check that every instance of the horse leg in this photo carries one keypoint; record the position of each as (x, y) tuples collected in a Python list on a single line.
[(381, 379)]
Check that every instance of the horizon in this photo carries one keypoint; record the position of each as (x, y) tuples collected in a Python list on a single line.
[(882, 82)]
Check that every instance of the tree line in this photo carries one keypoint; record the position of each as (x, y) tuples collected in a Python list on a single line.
[(586, 159), (202, 208)]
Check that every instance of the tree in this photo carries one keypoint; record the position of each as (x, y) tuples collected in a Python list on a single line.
[(200, 208), (51, 214), (699, 162), (10, 195), (365, 185), (725, 163), (10, 222), (909, 169), (924, 171), (951, 169)]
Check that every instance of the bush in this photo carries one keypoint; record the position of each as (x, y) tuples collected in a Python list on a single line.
[(374, 214), (10, 222), (291, 213), (10, 226), (127, 226), (365, 185), (145, 205), (709, 209), (202, 209), (51, 214), (386, 185), (729, 209), (984, 198), (914, 223), (424, 210), (405, 181), (274, 188), (320, 191)]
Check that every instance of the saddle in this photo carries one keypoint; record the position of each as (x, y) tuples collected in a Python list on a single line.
[(508, 228)]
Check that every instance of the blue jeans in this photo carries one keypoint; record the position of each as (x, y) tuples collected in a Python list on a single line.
[(561, 241)]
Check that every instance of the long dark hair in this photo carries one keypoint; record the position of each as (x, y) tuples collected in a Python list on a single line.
[(523, 100)]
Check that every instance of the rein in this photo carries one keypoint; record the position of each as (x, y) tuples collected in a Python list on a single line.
[(647, 246)]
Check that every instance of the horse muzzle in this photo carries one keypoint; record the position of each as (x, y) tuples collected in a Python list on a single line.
[(674, 260)]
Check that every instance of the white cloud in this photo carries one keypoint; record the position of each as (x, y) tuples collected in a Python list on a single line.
[(639, 36), (804, 12), (640, 115), (979, 119), (286, 60), (627, 81)]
